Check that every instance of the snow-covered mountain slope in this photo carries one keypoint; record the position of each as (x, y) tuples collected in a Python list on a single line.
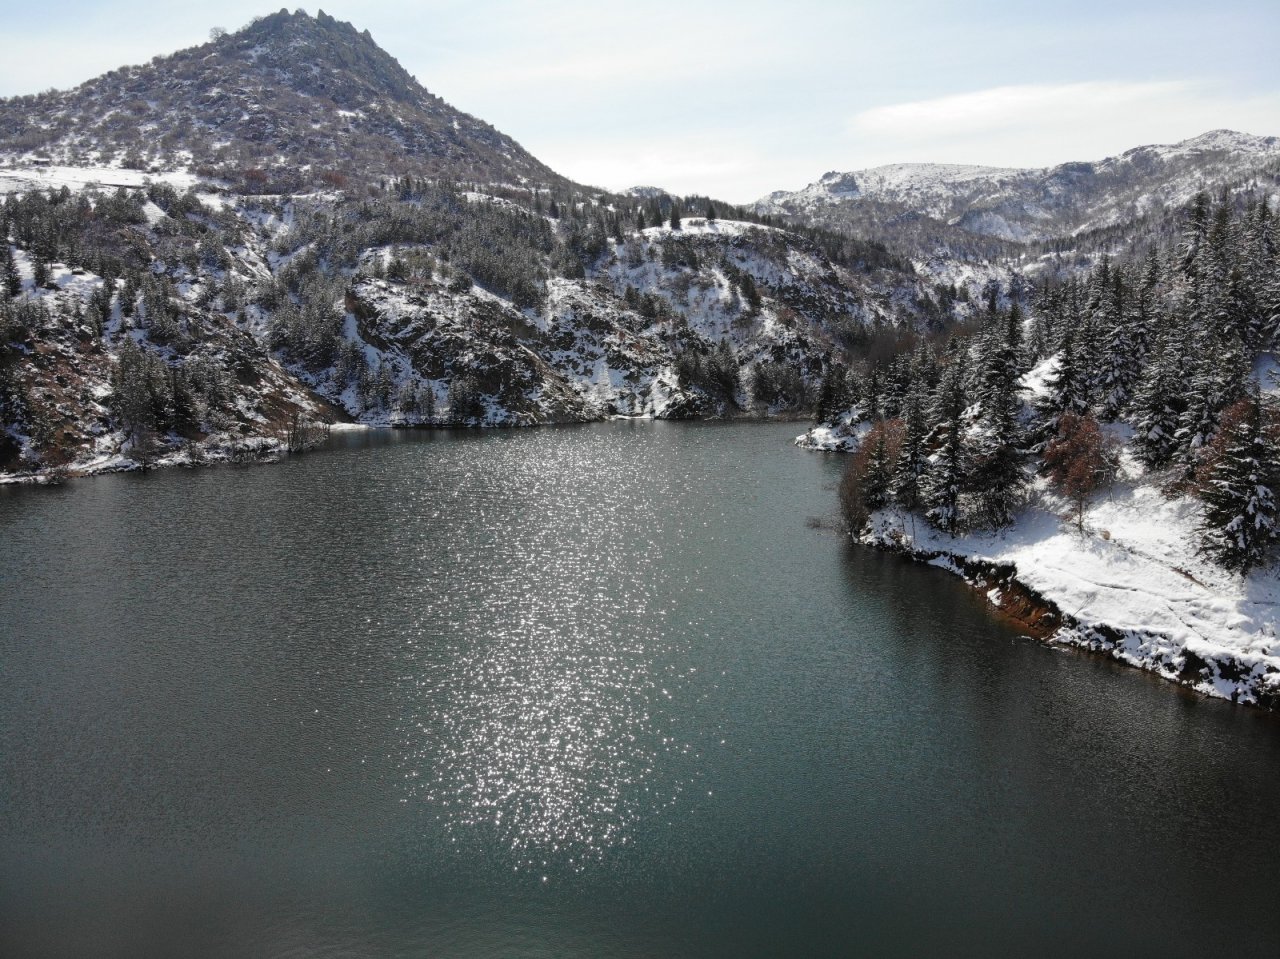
[(283, 225), (424, 304), (918, 184), (288, 101), (1021, 205)]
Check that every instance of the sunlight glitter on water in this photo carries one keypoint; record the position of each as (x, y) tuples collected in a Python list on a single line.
[(549, 734)]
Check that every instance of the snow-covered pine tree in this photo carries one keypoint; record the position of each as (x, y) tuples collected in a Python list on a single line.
[(879, 472), (995, 462), (1160, 402), (1195, 230), (10, 278), (833, 393), (1239, 525), (894, 385), (1143, 307), (1262, 271), (910, 467), (1120, 359), (948, 473), (999, 358), (1066, 389), (1218, 378), (870, 398)]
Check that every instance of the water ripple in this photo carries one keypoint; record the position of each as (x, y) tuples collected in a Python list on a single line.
[(541, 682)]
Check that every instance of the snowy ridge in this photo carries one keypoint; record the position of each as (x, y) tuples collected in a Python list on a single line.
[(1214, 141), (899, 182), (602, 344), (1023, 205)]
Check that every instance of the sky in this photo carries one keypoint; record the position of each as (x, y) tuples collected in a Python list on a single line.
[(737, 99)]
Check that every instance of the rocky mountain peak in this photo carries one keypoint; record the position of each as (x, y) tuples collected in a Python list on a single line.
[(320, 55), (288, 102)]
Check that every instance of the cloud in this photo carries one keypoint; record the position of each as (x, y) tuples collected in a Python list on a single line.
[(1044, 124), (685, 164), (1010, 106)]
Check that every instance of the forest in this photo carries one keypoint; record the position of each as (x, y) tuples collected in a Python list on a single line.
[(1150, 355)]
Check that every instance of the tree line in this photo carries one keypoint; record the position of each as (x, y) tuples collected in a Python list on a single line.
[(1160, 347)]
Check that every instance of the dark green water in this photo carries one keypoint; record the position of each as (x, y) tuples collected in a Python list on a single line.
[(582, 692)]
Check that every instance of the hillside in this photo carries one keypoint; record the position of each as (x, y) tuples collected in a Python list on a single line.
[(289, 101), (995, 211), (1102, 465), (282, 226)]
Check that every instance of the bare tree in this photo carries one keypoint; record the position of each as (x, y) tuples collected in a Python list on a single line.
[(1080, 460)]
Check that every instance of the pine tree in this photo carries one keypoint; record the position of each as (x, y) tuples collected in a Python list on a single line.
[(1159, 404), (948, 472), (1120, 360), (832, 395), (1217, 380), (912, 463), (1239, 524), (995, 472), (876, 481), (872, 388), (675, 215), (427, 403), (1067, 388), (999, 362), (10, 278)]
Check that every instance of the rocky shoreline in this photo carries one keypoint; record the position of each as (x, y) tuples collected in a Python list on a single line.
[(1221, 675)]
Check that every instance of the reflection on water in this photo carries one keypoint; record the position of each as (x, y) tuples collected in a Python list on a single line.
[(541, 676)]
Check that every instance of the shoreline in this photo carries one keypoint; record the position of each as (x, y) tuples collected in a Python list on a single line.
[(269, 450), (1220, 675)]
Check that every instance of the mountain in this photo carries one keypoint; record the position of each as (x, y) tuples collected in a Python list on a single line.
[(282, 226), (291, 100), (1025, 205), (314, 237)]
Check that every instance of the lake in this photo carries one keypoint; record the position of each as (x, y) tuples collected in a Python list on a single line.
[(615, 690)]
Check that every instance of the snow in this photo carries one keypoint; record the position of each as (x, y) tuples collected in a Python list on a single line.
[(904, 182), (1035, 382), (1133, 573), (700, 226), (1266, 370), (153, 213), (843, 436), (20, 179)]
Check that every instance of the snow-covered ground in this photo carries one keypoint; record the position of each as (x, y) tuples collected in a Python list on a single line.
[(920, 183), (1131, 584), (21, 179)]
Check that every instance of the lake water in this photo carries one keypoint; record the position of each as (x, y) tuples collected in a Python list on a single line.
[(579, 692)]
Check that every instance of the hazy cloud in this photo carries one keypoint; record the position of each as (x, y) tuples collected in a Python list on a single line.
[(1044, 124), (1012, 106)]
